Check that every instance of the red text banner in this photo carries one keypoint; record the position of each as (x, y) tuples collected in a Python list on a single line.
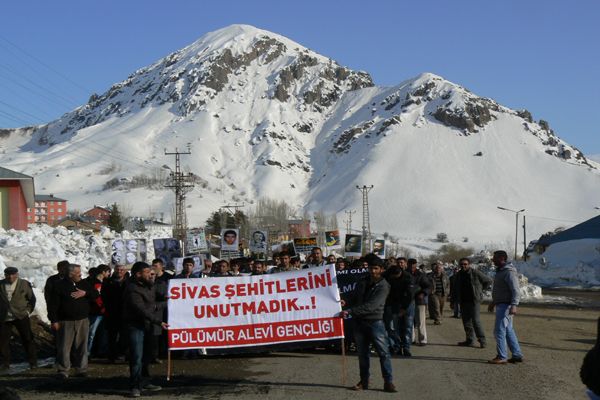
[(254, 310)]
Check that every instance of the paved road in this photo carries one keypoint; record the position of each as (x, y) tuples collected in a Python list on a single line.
[(554, 341)]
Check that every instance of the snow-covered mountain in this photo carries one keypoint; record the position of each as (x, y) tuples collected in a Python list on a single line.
[(265, 116)]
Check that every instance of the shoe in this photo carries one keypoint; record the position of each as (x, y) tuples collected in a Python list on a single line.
[(437, 322), (152, 388), (466, 343), (389, 387), (497, 361), (156, 361), (135, 393), (61, 376), (514, 360), (422, 344), (33, 366), (360, 386), (406, 353), (482, 345)]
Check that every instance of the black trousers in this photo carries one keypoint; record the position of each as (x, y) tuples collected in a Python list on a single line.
[(23, 326), (472, 322)]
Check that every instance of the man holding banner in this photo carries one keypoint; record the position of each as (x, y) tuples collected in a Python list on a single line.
[(366, 307)]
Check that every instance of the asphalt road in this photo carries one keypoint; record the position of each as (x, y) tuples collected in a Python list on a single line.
[(554, 342)]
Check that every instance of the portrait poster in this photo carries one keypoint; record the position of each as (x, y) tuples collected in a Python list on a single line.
[(196, 241), (379, 248), (353, 245), (128, 251), (167, 249), (258, 243), (230, 239), (332, 239)]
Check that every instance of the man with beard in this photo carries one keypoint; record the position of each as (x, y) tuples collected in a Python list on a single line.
[(140, 313)]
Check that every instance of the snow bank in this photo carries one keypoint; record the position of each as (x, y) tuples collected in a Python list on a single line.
[(574, 263), (36, 252)]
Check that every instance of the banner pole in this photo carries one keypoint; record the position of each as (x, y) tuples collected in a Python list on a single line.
[(169, 367), (344, 367)]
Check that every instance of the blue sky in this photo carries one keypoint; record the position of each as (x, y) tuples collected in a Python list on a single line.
[(539, 55)]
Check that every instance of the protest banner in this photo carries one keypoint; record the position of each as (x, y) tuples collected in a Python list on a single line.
[(167, 249), (332, 239), (379, 248), (353, 246), (305, 245), (128, 251), (195, 241), (347, 280), (254, 310)]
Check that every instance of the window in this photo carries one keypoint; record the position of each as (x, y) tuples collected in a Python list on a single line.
[(60, 210), (51, 203), (52, 210), (29, 217)]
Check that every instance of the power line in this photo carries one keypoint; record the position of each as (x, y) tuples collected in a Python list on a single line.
[(70, 102), (21, 111), (14, 118), (60, 74)]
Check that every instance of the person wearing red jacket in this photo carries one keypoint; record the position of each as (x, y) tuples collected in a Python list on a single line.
[(97, 310)]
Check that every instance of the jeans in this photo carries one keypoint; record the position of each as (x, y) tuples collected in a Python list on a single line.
[(406, 323), (140, 343), (505, 333), (372, 331), (472, 322), (456, 310), (95, 321), (390, 318)]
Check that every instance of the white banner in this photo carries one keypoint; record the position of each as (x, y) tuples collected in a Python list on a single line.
[(254, 310)]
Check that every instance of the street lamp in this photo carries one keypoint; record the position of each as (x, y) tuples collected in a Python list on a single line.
[(516, 225)]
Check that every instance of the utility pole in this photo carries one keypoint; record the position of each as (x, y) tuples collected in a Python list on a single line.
[(348, 221), (181, 184), (366, 228), (524, 239), (231, 209), (516, 225)]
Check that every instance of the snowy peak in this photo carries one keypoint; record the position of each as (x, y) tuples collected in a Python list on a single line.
[(232, 63)]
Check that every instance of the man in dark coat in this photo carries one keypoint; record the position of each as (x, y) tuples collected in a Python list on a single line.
[(17, 301), (366, 307), (141, 314), (69, 310), (469, 286), (112, 297)]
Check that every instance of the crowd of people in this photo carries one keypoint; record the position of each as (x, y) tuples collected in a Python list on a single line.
[(116, 313)]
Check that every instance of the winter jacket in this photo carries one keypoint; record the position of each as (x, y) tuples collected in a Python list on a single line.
[(420, 284), (22, 302), (49, 288), (445, 283), (401, 291), (63, 307), (160, 291), (139, 308), (478, 283), (97, 305), (112, 297), (506, 286), (368, 300)]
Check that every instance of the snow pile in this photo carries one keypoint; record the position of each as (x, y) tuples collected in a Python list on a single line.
[(36, 252), (574, 263), (529, 292)]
